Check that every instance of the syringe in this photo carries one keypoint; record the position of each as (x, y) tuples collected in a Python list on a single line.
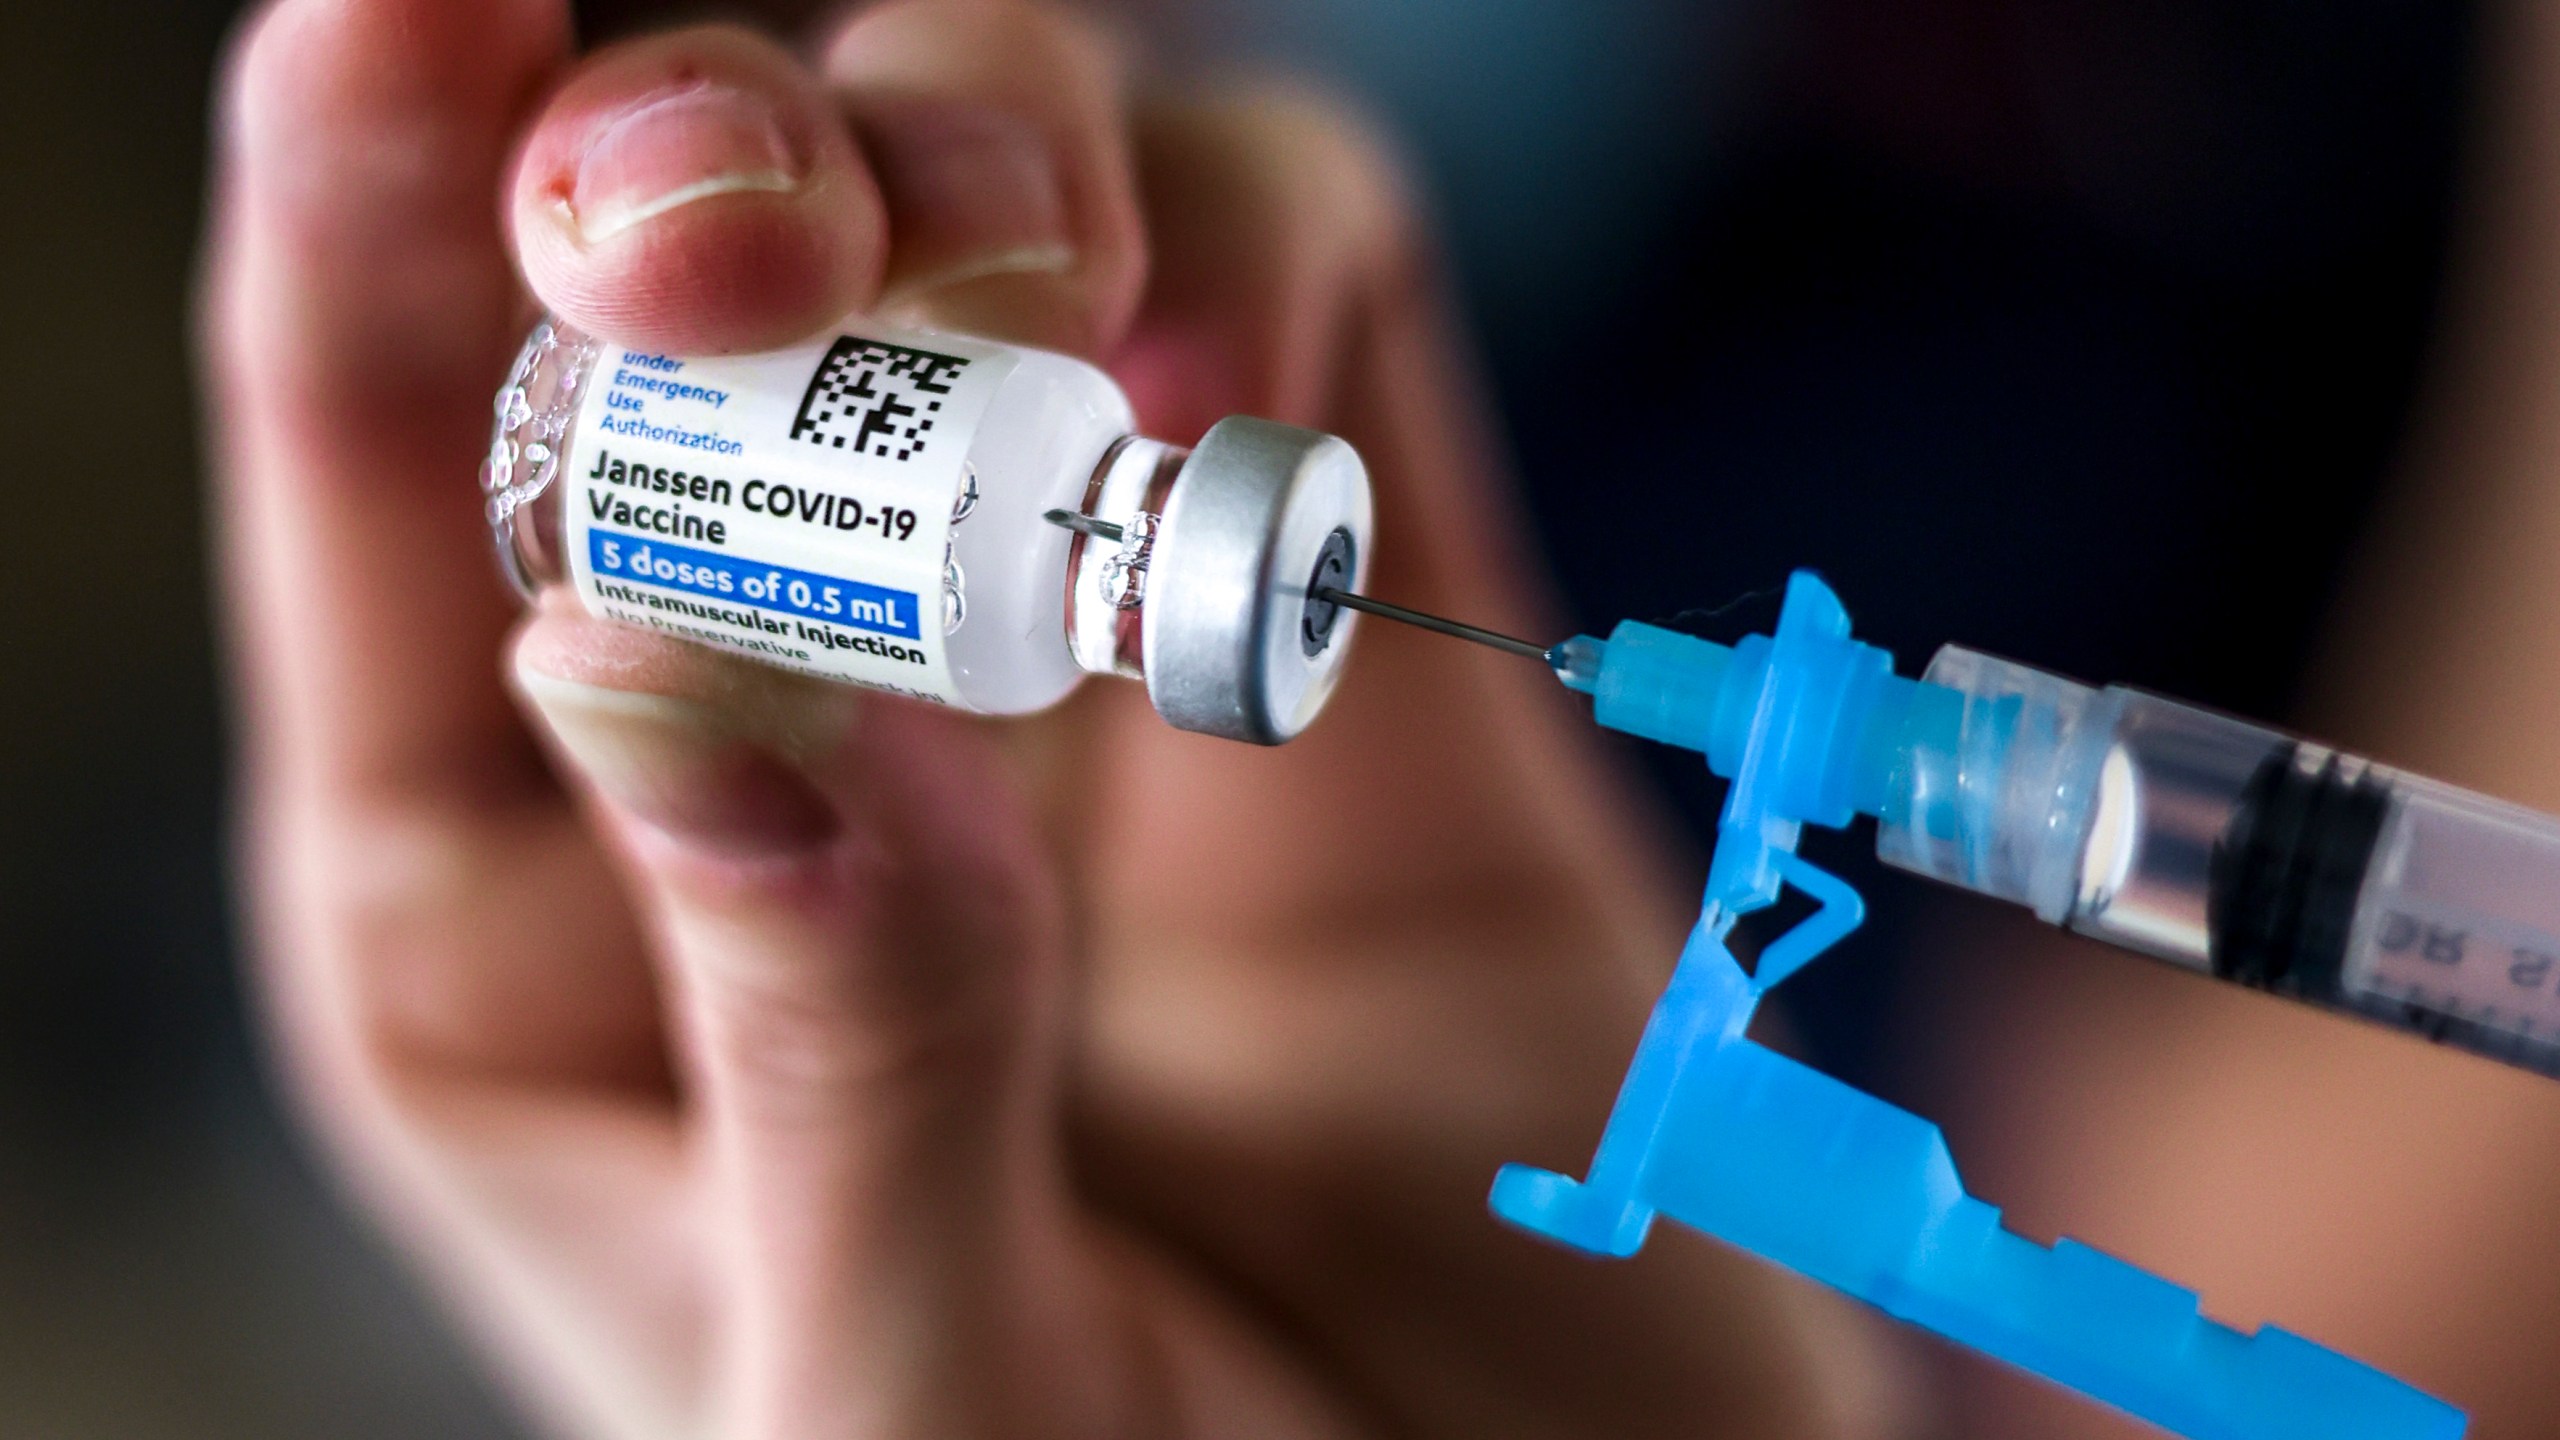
[(2223, 846)]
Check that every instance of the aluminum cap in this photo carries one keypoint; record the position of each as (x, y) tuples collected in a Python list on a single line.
[(1261, 512)]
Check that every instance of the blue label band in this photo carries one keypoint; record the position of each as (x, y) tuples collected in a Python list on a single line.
[(784, 591)]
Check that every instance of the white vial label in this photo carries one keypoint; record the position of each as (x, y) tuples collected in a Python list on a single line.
[(796, 505)]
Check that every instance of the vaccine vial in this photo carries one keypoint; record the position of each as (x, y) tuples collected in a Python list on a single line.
[(873, 506)]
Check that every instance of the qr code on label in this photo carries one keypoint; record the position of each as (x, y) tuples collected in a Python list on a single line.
[(875, 398)]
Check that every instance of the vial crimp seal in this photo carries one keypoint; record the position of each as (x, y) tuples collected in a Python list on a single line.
[(1763, 1152)]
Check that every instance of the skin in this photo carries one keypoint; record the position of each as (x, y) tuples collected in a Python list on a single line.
[(744, 1057)]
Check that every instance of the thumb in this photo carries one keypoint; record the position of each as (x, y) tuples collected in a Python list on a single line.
[(862, 950)]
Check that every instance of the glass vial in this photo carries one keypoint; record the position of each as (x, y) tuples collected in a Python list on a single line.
[(870, 506)]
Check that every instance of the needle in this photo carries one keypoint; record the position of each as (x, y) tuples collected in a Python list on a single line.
[(1105, 530), (1433, 623)]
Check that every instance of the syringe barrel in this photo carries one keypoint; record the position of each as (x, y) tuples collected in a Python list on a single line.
[(2238, 851)]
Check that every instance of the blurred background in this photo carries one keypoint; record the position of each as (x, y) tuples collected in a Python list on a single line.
[(2070, 330)]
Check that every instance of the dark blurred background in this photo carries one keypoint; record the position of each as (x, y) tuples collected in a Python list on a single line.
[(2083, 331)]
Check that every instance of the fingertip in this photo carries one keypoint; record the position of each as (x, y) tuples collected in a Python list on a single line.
[(728, 273), (695, 192)]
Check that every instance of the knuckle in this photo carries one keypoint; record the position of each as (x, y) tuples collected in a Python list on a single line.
[(785, 1053), (367, 59), (390, 903), (1062, 71), (1329, 127), (929, 986), (360, 141), (996, 35), (672, 54), (1340, 159), (381, 921), (1082, 40), (1295, 151)]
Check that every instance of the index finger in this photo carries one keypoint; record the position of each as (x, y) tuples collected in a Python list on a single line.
[(425, 897), (361, 310)]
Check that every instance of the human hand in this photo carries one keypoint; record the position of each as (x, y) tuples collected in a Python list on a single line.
[(748, 1057)]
